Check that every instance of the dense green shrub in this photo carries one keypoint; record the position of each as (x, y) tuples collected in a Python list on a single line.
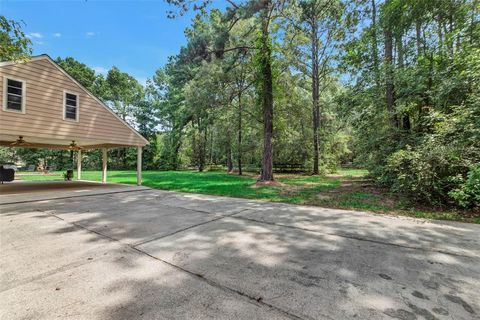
[(443, 167), (468, 194), (424, 174)]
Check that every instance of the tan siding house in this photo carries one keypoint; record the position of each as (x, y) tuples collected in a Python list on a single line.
[(42, 106)]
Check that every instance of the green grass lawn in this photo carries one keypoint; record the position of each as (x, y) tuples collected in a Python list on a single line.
[(216, 183), (346, 189)]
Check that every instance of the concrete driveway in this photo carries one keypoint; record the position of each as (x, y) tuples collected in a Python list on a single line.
[(152, 254)]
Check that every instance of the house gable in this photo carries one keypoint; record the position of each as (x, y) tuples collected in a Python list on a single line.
[(44, 115)]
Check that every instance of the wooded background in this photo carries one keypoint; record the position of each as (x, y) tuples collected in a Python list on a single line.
[(392, 86)]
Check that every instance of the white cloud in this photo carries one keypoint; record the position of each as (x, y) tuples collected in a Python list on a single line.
[(57, 34), (90, 34), (100, 70), (36, 35)]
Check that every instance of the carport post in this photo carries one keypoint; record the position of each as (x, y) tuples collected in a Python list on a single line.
[(79, 165), (104, 165), (139, 166)]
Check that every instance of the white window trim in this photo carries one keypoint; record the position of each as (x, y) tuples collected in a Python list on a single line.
[(5, 96), (65, 106)]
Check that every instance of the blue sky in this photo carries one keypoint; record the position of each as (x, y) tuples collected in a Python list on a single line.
[(135, 36)]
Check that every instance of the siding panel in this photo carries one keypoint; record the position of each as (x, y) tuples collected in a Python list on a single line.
[(44, 109)]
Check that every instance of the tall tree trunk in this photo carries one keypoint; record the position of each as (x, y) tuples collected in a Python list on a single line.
[(475, 7), (315, 95), (196, 148), (450, 31), (201, 153), (119, 156), (399, 43), (400, 62), (389, 86), (177, 143), (420, 52), (239, 137), (211, 146), (440, 36), (229, 152), (229, 159), (267, 96), (375, 43), (201, 146), (418, 37)]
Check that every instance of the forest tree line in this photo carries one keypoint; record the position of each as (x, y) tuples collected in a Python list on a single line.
[(390, 85)]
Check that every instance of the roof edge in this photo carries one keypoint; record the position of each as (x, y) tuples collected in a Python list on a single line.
[(32, 58)]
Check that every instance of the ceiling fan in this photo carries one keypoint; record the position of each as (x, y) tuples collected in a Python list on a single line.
[(74, 146), (20, 142)]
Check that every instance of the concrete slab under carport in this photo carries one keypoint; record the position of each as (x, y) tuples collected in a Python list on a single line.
[(266, 260), (25, 191)]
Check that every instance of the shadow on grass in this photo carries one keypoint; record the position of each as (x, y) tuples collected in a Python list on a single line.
[(324, 191)]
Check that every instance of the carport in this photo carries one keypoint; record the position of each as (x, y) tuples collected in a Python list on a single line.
[(44, 107), (22, 142)]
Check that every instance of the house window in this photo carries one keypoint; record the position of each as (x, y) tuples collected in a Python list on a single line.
[(14, 95), (70, 106)]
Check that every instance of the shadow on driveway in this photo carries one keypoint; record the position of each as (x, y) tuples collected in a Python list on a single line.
[(158, 254)]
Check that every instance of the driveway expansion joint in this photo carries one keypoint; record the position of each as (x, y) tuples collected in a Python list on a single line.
[(64, 268), (358, 238), (250, 299), (187, 228), (205, 212), (173, 233)]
